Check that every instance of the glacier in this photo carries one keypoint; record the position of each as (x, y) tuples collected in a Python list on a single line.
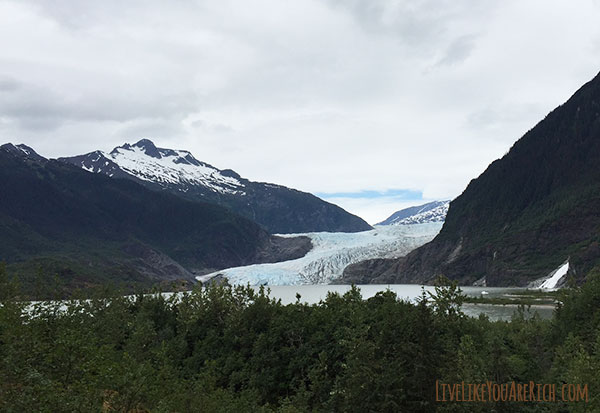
[(331, 253)]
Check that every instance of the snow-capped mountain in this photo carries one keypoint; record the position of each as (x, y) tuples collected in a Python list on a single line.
[(22, 151), (431, 212), (88, 229), (166, 167), (277, 208), (331, 253)]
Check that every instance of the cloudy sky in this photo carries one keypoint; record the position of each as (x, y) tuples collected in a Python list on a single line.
[(374, 105)]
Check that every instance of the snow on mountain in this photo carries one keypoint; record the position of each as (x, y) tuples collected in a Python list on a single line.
[(22, 151), (331, 253), (166, 167), (277, 208), (431, 212)]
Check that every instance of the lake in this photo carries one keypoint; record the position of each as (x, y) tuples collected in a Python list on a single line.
[(312, 294)]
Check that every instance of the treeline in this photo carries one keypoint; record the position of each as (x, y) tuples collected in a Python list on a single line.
[(231, 349)]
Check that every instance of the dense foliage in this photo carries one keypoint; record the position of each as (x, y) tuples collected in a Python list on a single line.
[(230, 349)]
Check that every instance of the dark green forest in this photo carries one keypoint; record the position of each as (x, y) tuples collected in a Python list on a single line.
[(232, 349)]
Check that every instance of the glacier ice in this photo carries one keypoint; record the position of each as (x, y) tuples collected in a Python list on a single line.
[(331, 253)]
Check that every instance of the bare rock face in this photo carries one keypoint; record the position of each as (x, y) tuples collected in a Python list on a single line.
[(283, 249)]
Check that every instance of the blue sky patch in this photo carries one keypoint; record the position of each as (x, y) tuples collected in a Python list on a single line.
[(407, 194)]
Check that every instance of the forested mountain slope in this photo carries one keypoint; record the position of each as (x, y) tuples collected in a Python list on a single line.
[(87, 229), (531, 210)]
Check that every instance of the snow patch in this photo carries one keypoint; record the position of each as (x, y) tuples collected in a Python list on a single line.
[(430, 212), (25, 151), (172, 168), (437, 214)]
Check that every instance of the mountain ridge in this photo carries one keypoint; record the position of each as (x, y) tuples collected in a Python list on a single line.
[(57, 219), (277, 208)]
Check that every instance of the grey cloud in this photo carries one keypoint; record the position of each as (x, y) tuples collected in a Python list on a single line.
[(87, 14), (8, 84), (211, 127), (39, 124), (150, 128), (416, 23), (458, 51), (500, 115), (34, 107), (392, 17)]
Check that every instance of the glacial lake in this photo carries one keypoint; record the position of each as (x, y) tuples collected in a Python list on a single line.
[(312, 294)]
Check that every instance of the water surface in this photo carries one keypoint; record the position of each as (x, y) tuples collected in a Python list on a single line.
[(312, 294)]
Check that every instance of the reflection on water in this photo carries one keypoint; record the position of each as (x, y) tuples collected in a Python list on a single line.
[(505, 312), (312, 294)]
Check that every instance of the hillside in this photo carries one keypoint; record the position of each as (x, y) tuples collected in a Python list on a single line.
[(88, 229), (277, 208), (531, 210)]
